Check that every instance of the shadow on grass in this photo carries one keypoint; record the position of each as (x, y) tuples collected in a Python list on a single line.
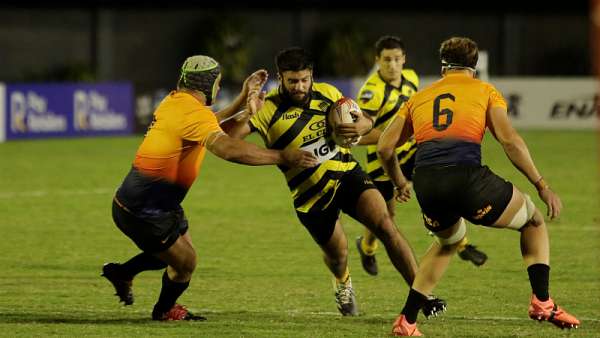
[(33, 318)]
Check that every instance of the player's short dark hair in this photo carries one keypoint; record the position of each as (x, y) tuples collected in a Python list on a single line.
[(389, 42), (294, 59), (459, 52)]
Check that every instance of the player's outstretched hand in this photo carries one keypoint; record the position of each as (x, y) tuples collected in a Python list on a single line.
[(255, 102), (299, 158), (552, 201), (252, 88), (255, 81)]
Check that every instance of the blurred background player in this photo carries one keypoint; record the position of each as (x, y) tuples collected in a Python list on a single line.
[(147, 205), (294, 117), (381, 96), (449, 119)]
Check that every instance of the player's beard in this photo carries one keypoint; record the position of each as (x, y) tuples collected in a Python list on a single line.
[(295, 97)]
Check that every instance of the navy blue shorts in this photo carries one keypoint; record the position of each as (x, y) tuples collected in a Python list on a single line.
[(151, 233)]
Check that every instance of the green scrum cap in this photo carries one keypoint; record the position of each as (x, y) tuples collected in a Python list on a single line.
[(200, 72)]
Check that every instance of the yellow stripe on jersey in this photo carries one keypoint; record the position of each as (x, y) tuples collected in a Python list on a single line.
[(382, 101), (283, 125)]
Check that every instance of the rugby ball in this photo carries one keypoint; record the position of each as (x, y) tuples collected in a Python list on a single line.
[(339, 113)]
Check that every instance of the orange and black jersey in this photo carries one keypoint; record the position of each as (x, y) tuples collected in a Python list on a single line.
[(169, 158), (449, 119), (382, 101), (284, 125)]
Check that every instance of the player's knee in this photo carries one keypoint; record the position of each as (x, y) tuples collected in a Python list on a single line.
[(455, 238), (384, 228), (525, 215), (536, 220)]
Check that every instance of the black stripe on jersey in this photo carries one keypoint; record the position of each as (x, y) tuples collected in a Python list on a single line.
[(315, 189), (306, 173), (371, 157), (401, 155), (292, 132), (322, 202), (301, 177), (318, 96), (402, 158), (386, 95), (377, 173), (370, 112), (252, 127), (388, 115), (408, 83), (315, 112), (281, 109)]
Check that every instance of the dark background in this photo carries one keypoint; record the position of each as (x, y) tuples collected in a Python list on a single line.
[(146, 43)]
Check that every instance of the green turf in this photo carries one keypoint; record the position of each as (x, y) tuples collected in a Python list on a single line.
[(259, 273)]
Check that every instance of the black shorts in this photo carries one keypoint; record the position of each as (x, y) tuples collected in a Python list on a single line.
[(151, 233), (321, 223), (446, 193), (386, 188), (408, 167)]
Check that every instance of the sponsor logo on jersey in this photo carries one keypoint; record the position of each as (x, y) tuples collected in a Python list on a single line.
[(366, 96)]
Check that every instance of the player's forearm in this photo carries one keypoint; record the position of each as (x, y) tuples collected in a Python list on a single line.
[(371, 137), (236, 105), (392, 169), (237, 129), (242, 152), (254, 155), (519, 155)]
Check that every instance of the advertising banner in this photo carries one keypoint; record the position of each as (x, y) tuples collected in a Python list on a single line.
[(30, 111)]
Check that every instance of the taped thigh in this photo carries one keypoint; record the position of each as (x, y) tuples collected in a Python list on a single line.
[(456, 237), (523, 215)]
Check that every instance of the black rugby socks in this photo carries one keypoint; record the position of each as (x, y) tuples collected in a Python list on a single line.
[(414, 303), (539, 274), (142, 262), (168, 295)]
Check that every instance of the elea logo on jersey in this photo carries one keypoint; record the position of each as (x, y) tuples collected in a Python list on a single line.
[(29, 113), (91, 111), (582, 108)]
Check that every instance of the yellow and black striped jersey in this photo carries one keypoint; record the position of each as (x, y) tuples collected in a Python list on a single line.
[(382, 101), (284, 125)]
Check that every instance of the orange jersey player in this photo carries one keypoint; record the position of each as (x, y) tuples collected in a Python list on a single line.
[(449, 119), (147, 206)]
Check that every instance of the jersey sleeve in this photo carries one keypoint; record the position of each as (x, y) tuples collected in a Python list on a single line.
[(198, 124), (496, 99), (404, 111), (412, 77), (262, 119), (369, 99)]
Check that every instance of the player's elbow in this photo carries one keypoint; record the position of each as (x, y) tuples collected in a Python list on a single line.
[(385, 152), (511, 144)]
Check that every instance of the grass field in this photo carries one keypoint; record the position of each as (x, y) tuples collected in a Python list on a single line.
[(259, 273)]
